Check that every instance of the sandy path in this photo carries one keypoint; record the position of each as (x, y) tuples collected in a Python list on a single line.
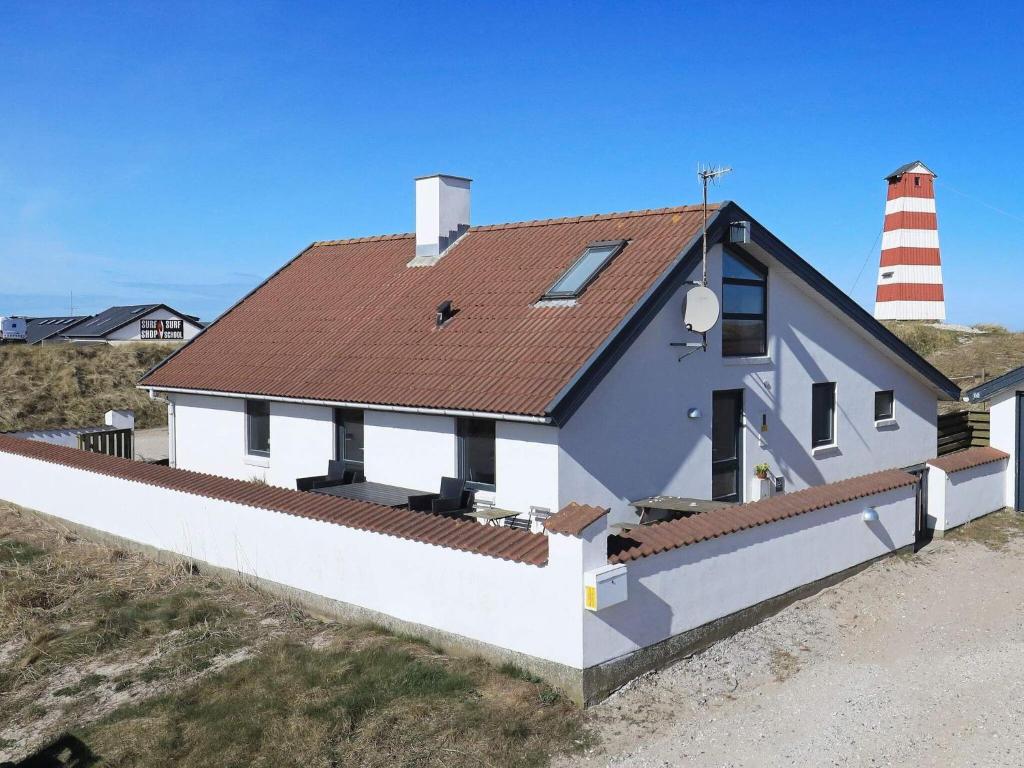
[(917, 661)]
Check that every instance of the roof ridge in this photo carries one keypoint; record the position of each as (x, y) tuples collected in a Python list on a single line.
[(595, 217), (535, 223), (364, 239)]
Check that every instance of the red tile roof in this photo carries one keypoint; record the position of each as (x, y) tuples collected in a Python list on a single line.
[(469, 536), (348, 321), (574, 518), (968, 459), (652, 539)]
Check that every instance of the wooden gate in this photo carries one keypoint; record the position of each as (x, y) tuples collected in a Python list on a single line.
[(112, 442)]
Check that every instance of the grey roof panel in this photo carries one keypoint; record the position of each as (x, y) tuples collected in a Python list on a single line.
[(109, 320), (906, 167), (40, 328)]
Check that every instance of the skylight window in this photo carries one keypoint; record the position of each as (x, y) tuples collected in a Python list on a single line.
[(584, 269)]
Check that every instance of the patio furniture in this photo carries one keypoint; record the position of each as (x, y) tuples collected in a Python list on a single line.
[(538, 515), (659, 509), (486, 512), (338, 473), (454, 500), (376, 493), (518, 523)]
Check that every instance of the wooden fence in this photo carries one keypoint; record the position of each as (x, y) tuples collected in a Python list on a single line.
[(962, 429), (112, 442)]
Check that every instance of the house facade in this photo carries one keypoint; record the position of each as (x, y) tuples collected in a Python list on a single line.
[(1005, 398), (544, 363)]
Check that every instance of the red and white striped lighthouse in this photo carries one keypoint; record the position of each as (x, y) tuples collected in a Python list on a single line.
[(910, 273)]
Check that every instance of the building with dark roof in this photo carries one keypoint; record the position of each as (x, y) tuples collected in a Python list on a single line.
[(137, 322), (546, 362)]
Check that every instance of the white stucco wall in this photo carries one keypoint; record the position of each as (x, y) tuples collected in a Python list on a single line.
[(631, 438), (954, 499), (1003, 435), (529, 609), (685, 588), (133, 330), (209, 435), (526, 473), (409, 449)]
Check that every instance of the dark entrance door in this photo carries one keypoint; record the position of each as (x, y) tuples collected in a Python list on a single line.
[(726, 445)]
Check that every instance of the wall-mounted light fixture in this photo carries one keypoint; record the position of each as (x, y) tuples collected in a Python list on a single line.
[(693, 413), (870, 515)]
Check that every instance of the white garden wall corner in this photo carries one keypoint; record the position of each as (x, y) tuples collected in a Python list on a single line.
[(966, 485)]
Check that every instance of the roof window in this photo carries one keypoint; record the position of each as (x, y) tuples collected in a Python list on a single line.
[(583, 271)]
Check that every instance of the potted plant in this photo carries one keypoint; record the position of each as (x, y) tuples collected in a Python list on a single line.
[(761, 470)]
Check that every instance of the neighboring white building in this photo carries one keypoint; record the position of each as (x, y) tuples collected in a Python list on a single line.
[(116, 325), (554, 374), (1005, 397)]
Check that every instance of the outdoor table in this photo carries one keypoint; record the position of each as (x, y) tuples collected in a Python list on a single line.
[(376, 493), (491, 516), (678, 506)]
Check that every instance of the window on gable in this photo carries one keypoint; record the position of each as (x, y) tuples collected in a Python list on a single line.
[(884, 401), (584, 269), (823, 414), (744, 307)]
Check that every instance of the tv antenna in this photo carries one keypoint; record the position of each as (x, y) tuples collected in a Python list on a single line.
[(707, 175), (701, 307)]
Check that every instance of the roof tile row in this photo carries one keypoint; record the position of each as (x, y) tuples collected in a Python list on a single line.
[(653, 539), (464, 535), (968, 459)]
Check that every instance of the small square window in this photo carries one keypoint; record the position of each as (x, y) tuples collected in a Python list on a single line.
[(884, 404), (823, 414)]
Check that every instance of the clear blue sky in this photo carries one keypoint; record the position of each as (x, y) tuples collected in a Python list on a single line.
[(180, 152)]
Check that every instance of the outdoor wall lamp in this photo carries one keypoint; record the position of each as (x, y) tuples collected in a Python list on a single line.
[(693, 413), (870, 515)]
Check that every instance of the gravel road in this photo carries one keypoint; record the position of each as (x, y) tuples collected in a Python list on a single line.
[(918, 660)]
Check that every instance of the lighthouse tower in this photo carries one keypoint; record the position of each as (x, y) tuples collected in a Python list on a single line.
[(910, 273)]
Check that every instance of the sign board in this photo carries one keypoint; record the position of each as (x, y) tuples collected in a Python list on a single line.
[(162, 329)]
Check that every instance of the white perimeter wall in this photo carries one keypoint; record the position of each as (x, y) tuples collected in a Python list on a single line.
[(955, 498), (524, 608), (528, 609), (133, 331), (1003, 435), (631, 438), (682, 589)]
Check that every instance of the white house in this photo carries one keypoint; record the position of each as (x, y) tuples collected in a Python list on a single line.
[(1004, 396), (541, 362)]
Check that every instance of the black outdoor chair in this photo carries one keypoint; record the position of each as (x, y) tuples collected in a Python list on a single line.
[(337, 474), (519, 523), (453, 500)]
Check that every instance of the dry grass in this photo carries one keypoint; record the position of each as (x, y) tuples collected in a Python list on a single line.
[(160, 664), (968, 359), (995, 531), (69, 385)]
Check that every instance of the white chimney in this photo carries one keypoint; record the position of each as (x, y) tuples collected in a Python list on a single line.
[(442, 215)]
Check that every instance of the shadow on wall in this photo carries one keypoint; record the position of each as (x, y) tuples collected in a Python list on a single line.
[(637, 440)]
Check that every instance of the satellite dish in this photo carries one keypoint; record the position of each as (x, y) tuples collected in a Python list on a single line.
[(700, 309)]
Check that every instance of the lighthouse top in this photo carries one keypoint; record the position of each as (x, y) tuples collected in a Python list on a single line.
[(915, 167)]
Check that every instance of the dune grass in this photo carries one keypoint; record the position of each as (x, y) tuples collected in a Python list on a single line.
[(155, 664), (67, 385)]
